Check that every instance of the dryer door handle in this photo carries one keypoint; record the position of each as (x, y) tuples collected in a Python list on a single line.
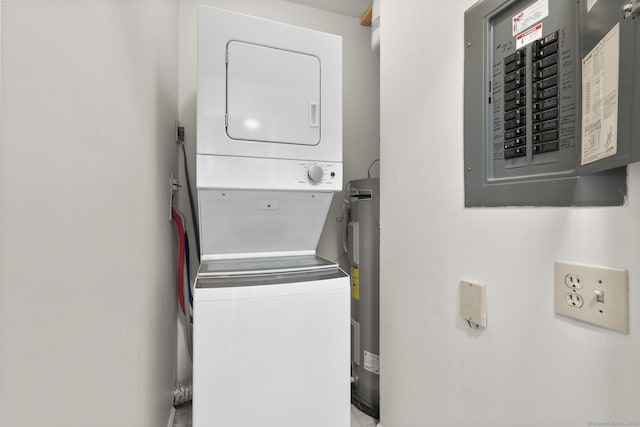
[(314, 115)]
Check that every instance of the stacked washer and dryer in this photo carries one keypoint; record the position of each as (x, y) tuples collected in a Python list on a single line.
[(271, 318)]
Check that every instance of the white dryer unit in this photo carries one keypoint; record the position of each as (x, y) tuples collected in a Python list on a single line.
[(268, 90)]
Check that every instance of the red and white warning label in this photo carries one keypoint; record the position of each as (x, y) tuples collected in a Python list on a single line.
[(531, 35)]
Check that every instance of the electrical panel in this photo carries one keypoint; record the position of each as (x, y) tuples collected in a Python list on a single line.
[(549, 99)]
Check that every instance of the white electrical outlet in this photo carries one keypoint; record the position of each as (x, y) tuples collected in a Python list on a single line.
[(574, 299), (573, 281), (597, 295)]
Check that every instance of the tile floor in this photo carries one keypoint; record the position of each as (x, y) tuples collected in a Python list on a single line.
[(358, 419)]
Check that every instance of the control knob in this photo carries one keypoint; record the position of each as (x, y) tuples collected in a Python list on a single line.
[(315, 173)]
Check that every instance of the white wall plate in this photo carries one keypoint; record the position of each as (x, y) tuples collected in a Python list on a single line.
[(473, 302), (597, 295)]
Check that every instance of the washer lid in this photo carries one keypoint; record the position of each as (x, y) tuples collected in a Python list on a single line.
[(264, 265)]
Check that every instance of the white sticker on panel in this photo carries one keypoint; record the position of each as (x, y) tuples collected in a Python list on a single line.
[(600, 98), (372, 362), (590, 4), (531, 35), (530, 16)]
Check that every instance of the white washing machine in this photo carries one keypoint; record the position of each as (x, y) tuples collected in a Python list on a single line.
[(270, 344), (271, 319)]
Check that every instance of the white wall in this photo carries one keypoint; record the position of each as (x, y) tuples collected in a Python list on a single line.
[(87, 305), (360, 98), (530, 367)]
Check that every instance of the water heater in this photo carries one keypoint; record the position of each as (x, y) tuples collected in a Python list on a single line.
[(364, 257)]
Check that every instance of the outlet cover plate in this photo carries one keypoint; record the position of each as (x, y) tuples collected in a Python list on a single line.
[(602, 294), (473, 302)]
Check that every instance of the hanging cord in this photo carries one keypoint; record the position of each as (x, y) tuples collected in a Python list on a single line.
[(187, 293), (184, 281), (196, 227), (470, 324), (186, 260), (187, 257), (370, 166), (188, 318), (180, 228)]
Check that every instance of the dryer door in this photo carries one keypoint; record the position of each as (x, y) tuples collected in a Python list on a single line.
[(273, 95)]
